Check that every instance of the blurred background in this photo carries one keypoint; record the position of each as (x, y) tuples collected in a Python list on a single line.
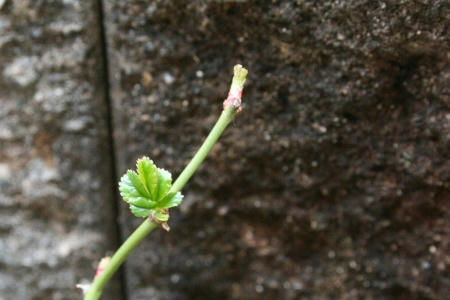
[(333, 182)]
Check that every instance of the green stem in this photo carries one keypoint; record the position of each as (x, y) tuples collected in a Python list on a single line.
[(231, 107), (95, 291), (225, 118)]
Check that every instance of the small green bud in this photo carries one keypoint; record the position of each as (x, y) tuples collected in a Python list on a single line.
[(237, 85), (161, 215), (240, 74)]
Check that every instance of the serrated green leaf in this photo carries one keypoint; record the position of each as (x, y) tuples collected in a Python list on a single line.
[(147, 190), (127, 189), (137, 183), (164, 184), (133, 192), (171, 200), (148, 172), (143, 203), (140, 212)]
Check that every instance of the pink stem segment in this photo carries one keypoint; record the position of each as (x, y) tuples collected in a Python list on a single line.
[(237, 85)]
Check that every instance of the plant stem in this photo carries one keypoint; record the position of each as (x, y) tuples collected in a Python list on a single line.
[(147, 226), (230, 110), (225, 118), (95, 291)]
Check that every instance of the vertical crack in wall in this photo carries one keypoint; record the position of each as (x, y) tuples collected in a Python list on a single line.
[(109, 118)]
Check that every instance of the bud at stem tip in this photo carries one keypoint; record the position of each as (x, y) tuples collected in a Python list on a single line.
[(237, 85)]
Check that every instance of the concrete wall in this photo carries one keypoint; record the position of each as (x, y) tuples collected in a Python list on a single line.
[(56, 198), (333, 183)]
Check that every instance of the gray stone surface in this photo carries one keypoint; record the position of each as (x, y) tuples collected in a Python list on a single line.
[(334, 181), (56, 218)]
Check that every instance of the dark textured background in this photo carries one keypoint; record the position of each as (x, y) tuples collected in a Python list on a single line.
[(333, 183)]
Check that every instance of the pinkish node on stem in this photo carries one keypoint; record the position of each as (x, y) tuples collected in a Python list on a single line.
[(233, 100), (237, 85), (102, 265)]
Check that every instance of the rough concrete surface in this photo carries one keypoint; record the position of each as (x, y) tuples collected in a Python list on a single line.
[(333, 183), (56, 218)]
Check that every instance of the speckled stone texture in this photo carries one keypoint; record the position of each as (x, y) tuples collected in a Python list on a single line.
[(333, 183), (56, 218)]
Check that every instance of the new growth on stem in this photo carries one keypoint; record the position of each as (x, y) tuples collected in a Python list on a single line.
[(234, 98), (150, 192)]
